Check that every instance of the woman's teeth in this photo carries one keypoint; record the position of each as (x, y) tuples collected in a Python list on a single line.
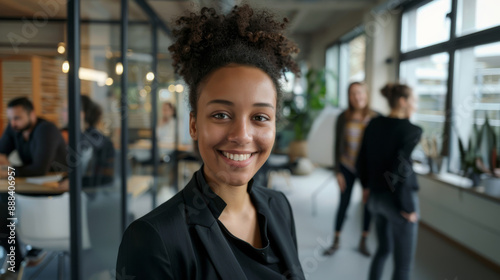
[(237, 157)]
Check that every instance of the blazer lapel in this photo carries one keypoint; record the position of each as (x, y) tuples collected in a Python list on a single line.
[(198, 214), (220, 253), (277, 229)]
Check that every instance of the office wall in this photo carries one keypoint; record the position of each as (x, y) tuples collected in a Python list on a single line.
[(466, 218), (381, 29)]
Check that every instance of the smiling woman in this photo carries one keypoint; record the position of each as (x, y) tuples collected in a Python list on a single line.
[(221, 226)]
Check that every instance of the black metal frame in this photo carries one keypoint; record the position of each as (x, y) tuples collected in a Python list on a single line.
[(455, 43), (75, 173), (154, 112), (124, 112)]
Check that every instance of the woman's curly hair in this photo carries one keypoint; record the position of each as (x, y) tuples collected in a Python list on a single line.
[(208, 41)]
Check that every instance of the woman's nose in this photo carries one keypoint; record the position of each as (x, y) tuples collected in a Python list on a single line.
[(240, 132)]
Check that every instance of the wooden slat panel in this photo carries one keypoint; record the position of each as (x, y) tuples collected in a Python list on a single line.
[(16, 79), (53, 90), (36, 68)]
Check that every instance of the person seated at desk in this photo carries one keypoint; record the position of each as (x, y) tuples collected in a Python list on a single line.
[(41, 149), (97, 151), (38, 142)]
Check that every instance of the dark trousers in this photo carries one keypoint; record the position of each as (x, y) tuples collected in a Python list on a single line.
[(345, 199), (5, 232), (395, 235)]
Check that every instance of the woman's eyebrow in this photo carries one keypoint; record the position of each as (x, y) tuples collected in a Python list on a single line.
[(264, 105), (229, 103), (221, 101)]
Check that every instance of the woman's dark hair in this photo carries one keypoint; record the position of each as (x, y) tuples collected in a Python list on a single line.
[(351, 109), (208, 41), (395, 91), (91, 110)]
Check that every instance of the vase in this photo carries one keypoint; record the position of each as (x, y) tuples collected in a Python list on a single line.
[(297, 149)]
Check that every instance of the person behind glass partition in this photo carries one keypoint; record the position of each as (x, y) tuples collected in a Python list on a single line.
[(166, 126), (97, 153), (221, 225)]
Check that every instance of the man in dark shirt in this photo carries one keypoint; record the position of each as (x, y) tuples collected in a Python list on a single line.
[(39, 143), (41, 148)]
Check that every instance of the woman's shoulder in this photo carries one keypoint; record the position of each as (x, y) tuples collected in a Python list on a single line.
[(276, 198), (169, 215)]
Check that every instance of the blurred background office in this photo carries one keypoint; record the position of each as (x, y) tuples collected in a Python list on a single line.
[(448, 51)]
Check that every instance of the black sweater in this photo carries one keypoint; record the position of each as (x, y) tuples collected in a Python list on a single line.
[(44, 151), (384, 161)]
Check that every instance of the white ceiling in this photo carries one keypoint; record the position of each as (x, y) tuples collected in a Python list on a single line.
[(306, 16)]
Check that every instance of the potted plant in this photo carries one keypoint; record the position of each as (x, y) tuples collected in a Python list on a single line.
[(481, 156), (303, 109)]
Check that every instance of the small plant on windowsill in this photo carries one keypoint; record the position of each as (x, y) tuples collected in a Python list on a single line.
[(434, 158), (481, 155)]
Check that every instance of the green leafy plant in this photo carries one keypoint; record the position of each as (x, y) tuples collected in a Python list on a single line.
[(481, 154), (303, 112)]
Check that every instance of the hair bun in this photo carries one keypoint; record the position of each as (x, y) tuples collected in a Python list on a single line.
[(387, 90)]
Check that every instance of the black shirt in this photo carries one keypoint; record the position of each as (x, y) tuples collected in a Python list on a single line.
[(384, 161), (99, 168), (45, 150), (256, 263)]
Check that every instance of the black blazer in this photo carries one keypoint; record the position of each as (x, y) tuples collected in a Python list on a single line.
[(181, 239)]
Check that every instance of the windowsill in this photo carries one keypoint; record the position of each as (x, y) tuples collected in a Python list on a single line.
[(459, 182)]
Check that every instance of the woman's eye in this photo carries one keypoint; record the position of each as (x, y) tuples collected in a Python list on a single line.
[(220, 116), (261, 118)]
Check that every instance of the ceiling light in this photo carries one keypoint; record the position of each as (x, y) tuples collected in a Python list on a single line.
[(179, 88), (65, 67), (119, 68), (171, 88), (61, 48), (109, 81), (150, 76)]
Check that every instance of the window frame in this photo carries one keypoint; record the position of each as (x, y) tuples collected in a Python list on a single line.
[(482, 37), (339, 43)]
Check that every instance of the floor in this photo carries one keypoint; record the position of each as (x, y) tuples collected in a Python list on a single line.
[(436, 258)]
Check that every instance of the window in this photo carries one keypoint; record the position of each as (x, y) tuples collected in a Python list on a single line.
[(427, 76), (347, 61), (477, 93), (332, 64), (457, 78), (476, 15), (426, 25)]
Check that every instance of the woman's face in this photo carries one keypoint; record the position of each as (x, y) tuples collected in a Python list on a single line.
[(235, 123), (167, 110), (411, 106), (358, 97)]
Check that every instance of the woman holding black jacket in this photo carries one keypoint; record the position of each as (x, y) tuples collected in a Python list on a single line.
[(385, 169)]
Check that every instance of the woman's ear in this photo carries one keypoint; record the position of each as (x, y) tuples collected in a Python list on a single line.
[(403, 103), (193, 131)]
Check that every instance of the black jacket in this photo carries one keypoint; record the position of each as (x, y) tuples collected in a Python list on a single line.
[(181, 239), (384, 161)]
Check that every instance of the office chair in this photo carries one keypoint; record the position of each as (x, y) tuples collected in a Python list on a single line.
[(44, 222)]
